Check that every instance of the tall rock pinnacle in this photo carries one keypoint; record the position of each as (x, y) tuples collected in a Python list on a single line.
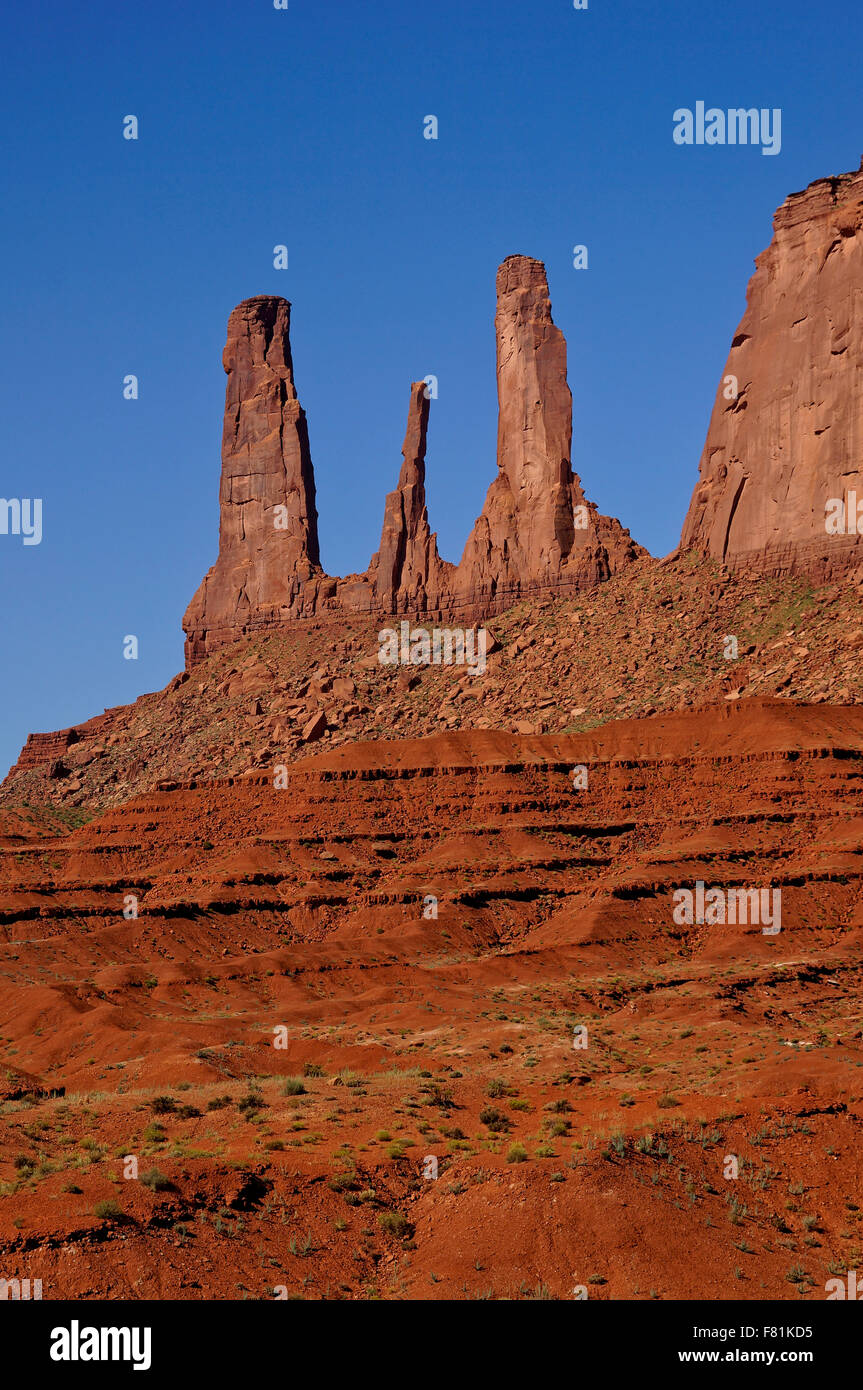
[(536, 531), (406, 572), (786, 433), (534, 430), (268, 531)]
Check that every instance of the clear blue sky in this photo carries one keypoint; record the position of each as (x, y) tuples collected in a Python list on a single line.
[(304, 127)]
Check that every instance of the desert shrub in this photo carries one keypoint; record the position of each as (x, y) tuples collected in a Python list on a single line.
[(107, 1210), (163, 1105), (438, 1095), (495, 1120), (155, 1180), (344, 1182), (394, 1223)]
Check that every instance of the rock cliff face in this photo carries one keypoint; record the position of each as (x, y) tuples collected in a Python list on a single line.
[(786, 433), (536, 535)]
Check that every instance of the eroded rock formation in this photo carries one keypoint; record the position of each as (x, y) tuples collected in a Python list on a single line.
[(406, 573), (536, 535), (537, 532), (268, 528), (786, 431)]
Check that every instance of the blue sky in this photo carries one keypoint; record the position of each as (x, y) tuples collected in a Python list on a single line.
[(305, 127)]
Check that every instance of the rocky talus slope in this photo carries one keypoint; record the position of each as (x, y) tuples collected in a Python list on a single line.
[(651, 639)]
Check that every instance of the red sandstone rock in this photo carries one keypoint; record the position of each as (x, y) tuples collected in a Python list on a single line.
[(41, 748), (315, 728), (268, 530), (407, 572), (789, 441), (536, 534)]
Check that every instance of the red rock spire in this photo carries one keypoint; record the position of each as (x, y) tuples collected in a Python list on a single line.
[(268, 527), (536, 532), (406, 572), (536, 535)]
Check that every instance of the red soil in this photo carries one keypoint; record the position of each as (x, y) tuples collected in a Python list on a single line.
[(452, 1036)]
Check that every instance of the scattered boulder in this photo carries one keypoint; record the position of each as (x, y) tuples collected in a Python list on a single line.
[(315, 728)]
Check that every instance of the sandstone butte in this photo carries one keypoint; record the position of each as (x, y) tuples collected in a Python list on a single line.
[(786, 432), (537, 533)]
